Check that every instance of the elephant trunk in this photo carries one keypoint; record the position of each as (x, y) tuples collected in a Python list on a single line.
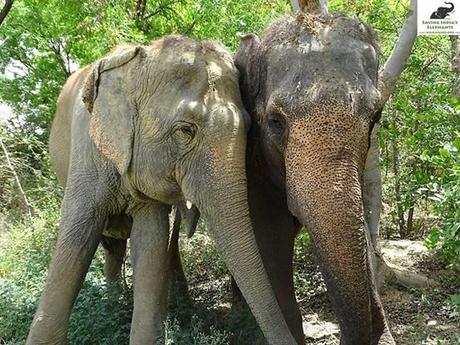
[(224, 205), (451, 6), (323, 173)]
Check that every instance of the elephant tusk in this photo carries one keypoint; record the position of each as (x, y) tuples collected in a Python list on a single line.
[(188, 204)]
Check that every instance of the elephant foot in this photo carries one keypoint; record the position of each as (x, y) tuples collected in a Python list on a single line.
[(45, 331)]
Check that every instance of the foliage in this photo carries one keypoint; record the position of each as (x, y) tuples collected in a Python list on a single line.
[(446, 198), (29, 157), (455, 301), (42, 42), (23, 264)]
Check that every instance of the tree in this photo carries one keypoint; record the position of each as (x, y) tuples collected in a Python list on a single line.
[(46, 40), (6, 9)]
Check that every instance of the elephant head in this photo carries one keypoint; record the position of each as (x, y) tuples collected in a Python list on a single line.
[(442, 12), (184, 138), (310, 86)]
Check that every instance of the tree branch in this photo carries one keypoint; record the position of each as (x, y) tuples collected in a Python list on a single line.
[(395, 64), (21, 190), (56, 48), (5, 10)]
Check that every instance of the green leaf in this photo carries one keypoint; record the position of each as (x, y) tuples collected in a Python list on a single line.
[(444, 152)]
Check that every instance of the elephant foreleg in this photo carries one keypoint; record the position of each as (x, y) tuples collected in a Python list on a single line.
[(179, 285), (80, 232), (151, 268), (114, 250)]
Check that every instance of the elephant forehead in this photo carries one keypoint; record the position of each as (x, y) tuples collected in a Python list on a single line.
[(311, 55), (191, 109), (335, 29), (320, 74), (319, 64)]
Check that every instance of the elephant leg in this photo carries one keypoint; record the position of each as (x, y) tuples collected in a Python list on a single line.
[(150, 260), (179, 285), (114, 243), (83, 219), (275, 229), (114, 251)]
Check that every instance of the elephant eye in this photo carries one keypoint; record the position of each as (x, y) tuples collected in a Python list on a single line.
[(189, 131), (185, 132)]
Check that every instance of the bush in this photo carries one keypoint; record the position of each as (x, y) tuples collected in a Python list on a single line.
[(23, 263), (445, 194), (101, 314)]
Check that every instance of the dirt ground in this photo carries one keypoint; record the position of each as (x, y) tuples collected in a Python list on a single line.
[(416, 316)]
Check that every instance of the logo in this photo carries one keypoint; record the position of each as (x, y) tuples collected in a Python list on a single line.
[(438, 17), (442, 12)]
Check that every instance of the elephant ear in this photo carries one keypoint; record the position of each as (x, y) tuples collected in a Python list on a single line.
[(112, 112), (246, 60)]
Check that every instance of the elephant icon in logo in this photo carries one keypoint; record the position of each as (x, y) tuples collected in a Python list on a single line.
[(442, 12)]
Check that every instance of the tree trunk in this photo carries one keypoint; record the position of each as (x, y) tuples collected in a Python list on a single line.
[(397, 185), (409, 223), (140, 8), (5, 10)]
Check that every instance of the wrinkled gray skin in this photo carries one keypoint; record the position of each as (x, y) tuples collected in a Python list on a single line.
[(143, 128), (118, 230), (310, 86)]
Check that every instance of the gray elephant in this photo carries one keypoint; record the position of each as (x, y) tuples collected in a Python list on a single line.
[(442, 12), (141, 129), (118, 230), (310, 86)]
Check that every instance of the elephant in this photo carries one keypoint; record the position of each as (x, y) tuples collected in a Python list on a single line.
[(118, 230), (141, 129), (442, 12), (310, 86)]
